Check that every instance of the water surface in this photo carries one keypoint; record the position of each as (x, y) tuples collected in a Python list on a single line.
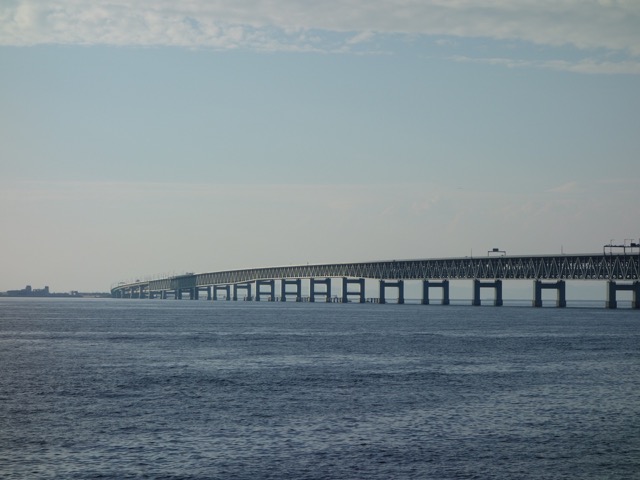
[(117, 389)]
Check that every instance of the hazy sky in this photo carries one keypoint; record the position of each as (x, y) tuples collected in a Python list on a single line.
[(151, 136)]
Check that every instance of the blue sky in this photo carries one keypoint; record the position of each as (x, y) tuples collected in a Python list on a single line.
[(141, 138)]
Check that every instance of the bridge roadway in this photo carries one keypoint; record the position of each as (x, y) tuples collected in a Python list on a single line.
[(486, 272)]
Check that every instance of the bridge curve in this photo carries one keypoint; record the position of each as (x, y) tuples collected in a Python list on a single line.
[(609, 267)]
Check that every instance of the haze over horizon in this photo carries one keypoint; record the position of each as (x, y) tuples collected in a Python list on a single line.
[(142, 138)]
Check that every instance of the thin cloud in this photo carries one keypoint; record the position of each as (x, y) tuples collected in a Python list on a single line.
[(360, 38), (568, 187), (586, 66), (337, 25), (595, 66)]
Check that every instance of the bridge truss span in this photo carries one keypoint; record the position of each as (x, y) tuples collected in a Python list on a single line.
[(541, 267)]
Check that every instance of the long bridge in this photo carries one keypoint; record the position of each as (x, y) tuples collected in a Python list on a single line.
[(620, 271)]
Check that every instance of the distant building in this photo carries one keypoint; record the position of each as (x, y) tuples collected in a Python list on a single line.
[(29, 292), (45, 292)]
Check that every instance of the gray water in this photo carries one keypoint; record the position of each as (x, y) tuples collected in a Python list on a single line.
[(117, 389)]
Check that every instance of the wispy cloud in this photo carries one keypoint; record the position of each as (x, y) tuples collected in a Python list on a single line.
[(588, 65), (330, 25), (568, 187)]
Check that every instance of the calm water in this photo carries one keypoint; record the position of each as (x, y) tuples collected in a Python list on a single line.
[(117, 389)]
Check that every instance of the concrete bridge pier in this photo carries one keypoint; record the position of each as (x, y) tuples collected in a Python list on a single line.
[(284, 291), (426, 285), (497, 286), (345, 289), (312, 289), (266, 283), (193, 293), (241, 286), (196, 291), (613, 288), (384, 284), (559, 286), (224, 288)]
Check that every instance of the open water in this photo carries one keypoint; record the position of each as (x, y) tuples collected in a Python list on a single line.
[(128, 389)]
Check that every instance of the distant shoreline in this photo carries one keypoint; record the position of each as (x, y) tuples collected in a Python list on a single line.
[(58, 295)]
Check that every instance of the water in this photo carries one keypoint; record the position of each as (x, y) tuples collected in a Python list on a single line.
[(117, 389)]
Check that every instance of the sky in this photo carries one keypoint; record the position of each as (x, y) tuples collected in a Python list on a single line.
[(145, 138)]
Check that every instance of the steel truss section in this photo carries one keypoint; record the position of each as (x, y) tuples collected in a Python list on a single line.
[(547, 267)]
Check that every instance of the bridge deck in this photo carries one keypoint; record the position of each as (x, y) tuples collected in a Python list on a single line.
[(541, 267)]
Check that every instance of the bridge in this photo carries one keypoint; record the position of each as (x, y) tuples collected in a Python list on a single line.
[(620, 271)]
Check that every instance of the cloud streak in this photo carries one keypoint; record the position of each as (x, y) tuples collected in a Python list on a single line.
[(586, 66), (331, 25)]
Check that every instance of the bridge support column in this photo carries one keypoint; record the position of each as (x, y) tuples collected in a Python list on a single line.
[(163, 294), (345, 289), (196, 291), (497, 286), (613, 288), (242, 286), (426, 285), (209, 293), (312, 289), (224, 288), (265, 283), (284, 292), (384, 284), (559, 286)]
